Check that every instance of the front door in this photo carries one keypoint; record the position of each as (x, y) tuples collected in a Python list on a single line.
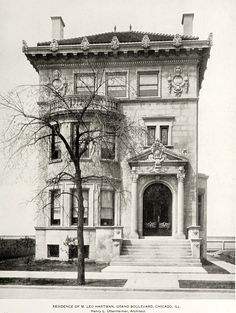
[(157, 203)]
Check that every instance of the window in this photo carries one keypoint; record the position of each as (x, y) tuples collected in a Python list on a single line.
[(148, 84), (55, 145), (55, 207), (84, 84), (74, 207), (164, 135), (73, 251), (108, 146), (116, 85), (107, 208), (81, 142), (151, 135), (53, 251), (200, 209)]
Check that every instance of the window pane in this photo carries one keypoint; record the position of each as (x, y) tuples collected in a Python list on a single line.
[(107, 208), (77, 143), (53, 251), (108, 147), (164, 135), (116, 85), (74, 210), (55, 207), (85, 81), (148, 79), (151, 135)]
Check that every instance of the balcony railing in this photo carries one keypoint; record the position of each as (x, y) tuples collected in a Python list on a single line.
[(76, 102)]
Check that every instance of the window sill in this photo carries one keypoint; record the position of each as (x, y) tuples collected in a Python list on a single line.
[(55, 161), (109, 160), (167, 146), (147, 97)]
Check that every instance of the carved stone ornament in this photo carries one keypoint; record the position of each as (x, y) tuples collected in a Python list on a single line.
[(177, 40), (58, 84), (115, 43), (178, 83), (24, 46), (210, 39), (85, 44), (181, 174), (54, 46), (146, 42), (134, 176), (158, 156)]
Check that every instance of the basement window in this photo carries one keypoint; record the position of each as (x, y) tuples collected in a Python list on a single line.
[(53, 251), (73, 251)]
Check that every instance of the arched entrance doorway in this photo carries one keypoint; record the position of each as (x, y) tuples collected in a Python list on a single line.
[(157, 210)]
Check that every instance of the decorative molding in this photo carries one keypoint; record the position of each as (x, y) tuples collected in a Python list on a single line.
[(210, 39), (157, 155), (181, 174), (118, 64), (115, 43), (59, 84), (177, 41), (54, 46), (134, 176), (24, 46), (146, 42), (178, 83), (84, 44)]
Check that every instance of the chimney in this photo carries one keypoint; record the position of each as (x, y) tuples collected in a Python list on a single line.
[(187, 22), (57, 27)]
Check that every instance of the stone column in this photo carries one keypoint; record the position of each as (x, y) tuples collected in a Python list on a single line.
[(180, 177), (134, 205)]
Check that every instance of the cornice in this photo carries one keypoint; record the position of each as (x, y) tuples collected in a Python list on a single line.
[(119, 63)]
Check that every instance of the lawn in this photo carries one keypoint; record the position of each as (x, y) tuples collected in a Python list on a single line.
[(208, 284), (29, 264), (224, 255), (62, 282)]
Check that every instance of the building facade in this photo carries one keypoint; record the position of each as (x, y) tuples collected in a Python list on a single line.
[(153, 80)]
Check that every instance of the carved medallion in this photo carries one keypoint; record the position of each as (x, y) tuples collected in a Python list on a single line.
[(57, 83), (146, 42), (178, 83), (85, 44), (115, 43), (177, 40), (158, 155), (54, 46)]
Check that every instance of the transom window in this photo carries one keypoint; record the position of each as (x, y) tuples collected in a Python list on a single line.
[(116, 85), (74, 207), (55, 207), (107, 208), (84, 84), (79, 143), (148, 84)]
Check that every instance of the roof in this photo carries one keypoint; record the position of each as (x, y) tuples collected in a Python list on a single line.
[(129, 36)]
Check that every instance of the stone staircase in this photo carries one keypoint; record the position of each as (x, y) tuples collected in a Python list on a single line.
[(160, 251)]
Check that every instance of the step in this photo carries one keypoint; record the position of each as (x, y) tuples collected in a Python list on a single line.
[(154, 264)]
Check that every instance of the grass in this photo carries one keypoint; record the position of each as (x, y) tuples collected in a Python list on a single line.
[(29, 264), (207, 284), (62, 282), (212, 268), (224, 255)]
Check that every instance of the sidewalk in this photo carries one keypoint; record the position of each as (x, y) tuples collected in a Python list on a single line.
[(140, 280)]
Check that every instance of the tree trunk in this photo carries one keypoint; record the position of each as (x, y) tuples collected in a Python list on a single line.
[(80, 223)]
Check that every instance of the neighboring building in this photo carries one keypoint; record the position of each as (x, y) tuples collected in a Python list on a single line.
[(157, 79)]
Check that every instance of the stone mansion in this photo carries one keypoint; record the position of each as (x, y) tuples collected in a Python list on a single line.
[(153, 79)]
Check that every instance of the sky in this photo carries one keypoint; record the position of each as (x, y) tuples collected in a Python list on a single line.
[(30, 20)]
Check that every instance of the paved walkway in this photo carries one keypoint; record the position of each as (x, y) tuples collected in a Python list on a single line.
[(135, 281)]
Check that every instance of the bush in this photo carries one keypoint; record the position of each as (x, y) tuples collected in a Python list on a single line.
[(15, 248)]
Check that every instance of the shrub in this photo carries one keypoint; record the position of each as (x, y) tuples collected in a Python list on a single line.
[(15, 248)]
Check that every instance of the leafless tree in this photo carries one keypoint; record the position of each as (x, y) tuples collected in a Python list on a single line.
[(36, 122)]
